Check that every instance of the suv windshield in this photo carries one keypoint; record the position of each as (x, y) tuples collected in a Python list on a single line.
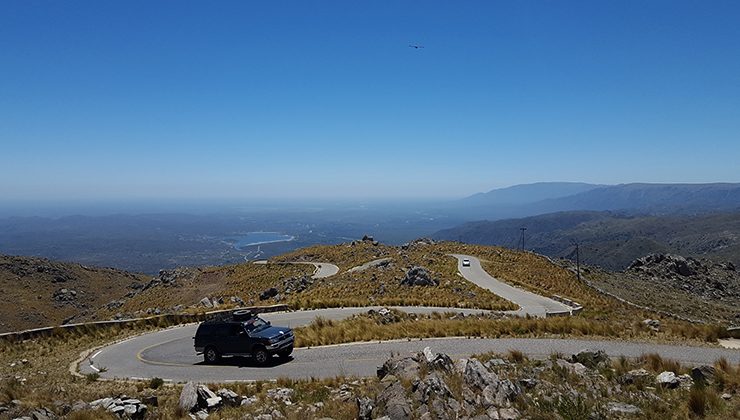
[(255, 324)]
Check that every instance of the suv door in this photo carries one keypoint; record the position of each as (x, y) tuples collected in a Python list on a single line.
[(237, 340)]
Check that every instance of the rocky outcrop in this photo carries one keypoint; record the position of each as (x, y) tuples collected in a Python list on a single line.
[(269, 293), (296, 284), (418, 276), (704, 278)]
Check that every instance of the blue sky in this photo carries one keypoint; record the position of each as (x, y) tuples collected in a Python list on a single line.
[(105, 99)]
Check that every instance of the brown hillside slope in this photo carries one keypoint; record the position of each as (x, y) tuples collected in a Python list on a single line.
[(38, 292)]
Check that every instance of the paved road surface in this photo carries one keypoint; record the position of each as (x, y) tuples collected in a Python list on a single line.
[(529, 303), (130, 358), (322, 269), (169, 354)]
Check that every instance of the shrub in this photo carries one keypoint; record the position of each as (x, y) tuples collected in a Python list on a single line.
[(698, 401), (156, 383)]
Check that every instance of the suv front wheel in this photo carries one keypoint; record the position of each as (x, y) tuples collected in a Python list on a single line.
[(260, 355), (211, 356)]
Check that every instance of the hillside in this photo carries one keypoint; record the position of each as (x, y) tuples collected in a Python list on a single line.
[(610, 240), (38, 292), (694, 289), (378, 283)]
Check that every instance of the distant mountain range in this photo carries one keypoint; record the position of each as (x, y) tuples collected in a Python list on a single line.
[(541, 198), (609, 239)]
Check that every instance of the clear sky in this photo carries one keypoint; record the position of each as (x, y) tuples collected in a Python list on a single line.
[(136, 99)]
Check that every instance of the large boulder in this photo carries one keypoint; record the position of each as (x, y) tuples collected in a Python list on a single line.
[(207, 399), (477, 376), (188, 398), (404, 367), (431, 387), (704, 374), (393, 398), (418, 276)]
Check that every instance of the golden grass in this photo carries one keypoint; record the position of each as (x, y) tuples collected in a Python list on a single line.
[(365, 328), (381, 286)]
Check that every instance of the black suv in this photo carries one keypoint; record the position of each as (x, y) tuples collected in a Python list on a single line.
[(245, 334)]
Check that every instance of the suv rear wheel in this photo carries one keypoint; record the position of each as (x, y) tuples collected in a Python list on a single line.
[(260, 355), (211, 355)]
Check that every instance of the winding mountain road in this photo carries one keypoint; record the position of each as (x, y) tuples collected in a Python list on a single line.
[(529, 303), (169, 354)]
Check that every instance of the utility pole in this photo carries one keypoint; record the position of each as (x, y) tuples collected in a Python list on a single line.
[(578, 261), (521, 247)]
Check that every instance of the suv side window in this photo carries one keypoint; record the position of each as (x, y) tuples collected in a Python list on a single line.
[(234, 329)]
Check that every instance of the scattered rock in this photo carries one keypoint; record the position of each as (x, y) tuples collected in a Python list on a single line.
[(508, 414), (296, 284), (385, 316), (653, 324), (280, 394), (122, 406), (237, 300), (206, 302), (269, 293), (634, 376), (576, 368), (365, 407), (229, 397), (685, 381), (43, 413), (667, 379), (622, 408), (591, 358)]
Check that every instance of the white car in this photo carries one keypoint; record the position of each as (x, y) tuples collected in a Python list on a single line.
[(466, 262)]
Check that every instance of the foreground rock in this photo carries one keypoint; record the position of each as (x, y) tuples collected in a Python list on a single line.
[(122, 406)]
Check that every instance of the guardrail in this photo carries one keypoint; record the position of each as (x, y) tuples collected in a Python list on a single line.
[(576, 307), (163, 320), (734, 332)]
